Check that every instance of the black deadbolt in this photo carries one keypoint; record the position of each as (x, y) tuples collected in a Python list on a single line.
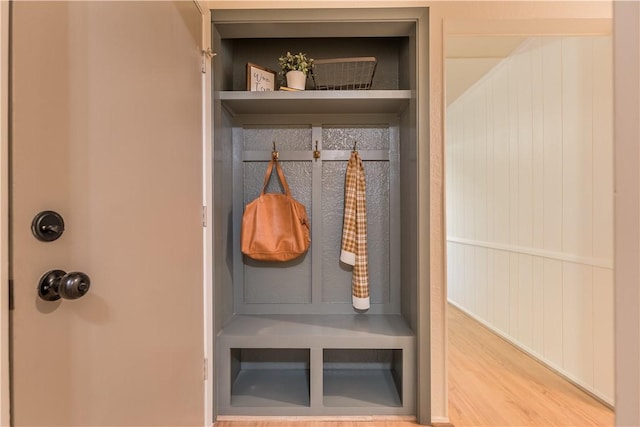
[(47, 226)]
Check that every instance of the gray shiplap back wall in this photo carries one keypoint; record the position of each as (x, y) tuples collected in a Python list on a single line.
[(271, 288)]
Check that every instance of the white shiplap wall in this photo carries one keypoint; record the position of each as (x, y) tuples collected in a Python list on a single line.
[(529, 174)]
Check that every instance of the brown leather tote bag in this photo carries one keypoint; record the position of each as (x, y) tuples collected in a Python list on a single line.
[(275, 226)]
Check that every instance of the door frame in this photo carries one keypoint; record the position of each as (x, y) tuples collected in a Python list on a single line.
[(207, 215), (626, 78), (5, 401)]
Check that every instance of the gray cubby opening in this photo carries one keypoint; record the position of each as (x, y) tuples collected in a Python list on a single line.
[(362, 377), (267, 377)]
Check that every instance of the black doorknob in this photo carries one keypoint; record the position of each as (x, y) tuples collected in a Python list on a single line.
[(56, 284)]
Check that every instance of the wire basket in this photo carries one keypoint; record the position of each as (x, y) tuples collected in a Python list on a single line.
[(344, 73)]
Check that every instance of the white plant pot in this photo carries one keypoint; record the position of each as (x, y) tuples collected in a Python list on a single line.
[(296, 80)]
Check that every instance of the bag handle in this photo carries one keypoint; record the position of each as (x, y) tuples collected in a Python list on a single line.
[(267, 177)]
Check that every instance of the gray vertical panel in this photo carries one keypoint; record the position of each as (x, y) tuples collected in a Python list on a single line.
[(414, 372), (275, 282), (409, 219), (420, 48), (317, 233), (336, 276), (395, 243), (396, 371), (225, 272), (238, 209), (410, 378), (315, 381), (336, 281), (228, 367), (236, 362), (222, 226), (406, 55), (219, 217), (225, 69), (378, 239)]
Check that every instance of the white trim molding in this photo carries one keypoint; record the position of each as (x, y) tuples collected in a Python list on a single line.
[(559, 256)]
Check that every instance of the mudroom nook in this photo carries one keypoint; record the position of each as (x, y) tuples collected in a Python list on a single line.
[(287, 338)]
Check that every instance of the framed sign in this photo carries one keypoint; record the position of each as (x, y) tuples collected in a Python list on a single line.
[(260, 79)]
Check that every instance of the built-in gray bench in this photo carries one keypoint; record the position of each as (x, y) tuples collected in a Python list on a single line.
[(316, 365)]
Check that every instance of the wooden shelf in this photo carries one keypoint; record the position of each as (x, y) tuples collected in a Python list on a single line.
[(316, 102)]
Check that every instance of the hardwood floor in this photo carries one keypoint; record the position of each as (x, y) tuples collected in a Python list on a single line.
[(491, 383), (282, 423)]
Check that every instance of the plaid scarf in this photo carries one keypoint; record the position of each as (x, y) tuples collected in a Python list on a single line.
[(354, 231)]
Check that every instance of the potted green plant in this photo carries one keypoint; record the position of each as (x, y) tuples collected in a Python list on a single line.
[(295, 68)]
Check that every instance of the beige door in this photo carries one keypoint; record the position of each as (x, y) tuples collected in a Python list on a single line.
[(107, 131)]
